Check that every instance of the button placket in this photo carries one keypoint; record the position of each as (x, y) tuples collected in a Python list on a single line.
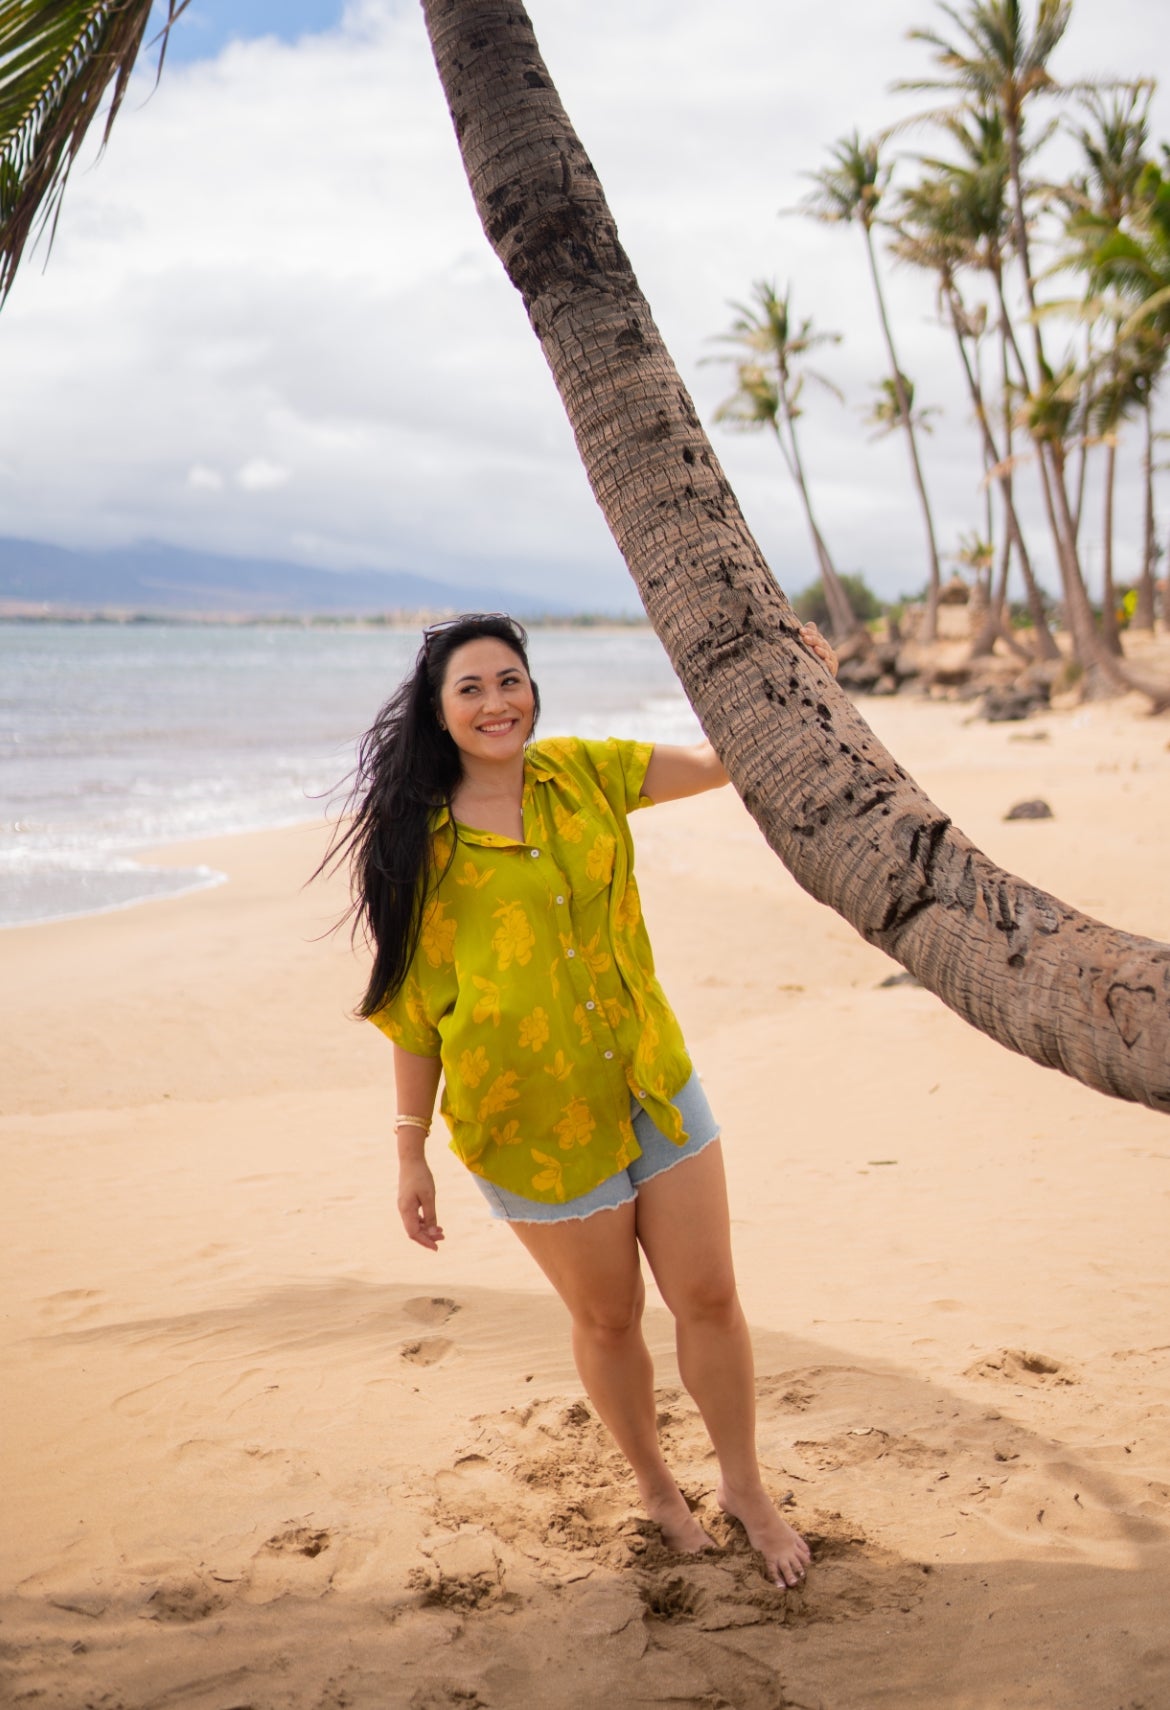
[(580, 976)]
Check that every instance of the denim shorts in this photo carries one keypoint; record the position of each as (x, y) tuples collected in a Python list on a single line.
[(658, 1153)]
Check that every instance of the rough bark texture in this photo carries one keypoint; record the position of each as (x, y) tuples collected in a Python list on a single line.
[(839, 811)]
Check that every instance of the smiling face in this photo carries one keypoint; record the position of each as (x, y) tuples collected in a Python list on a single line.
[(486, 703)]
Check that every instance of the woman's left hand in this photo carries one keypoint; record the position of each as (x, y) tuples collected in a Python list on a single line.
[(816, 643)]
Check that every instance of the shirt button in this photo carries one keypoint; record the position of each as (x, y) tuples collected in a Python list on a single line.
[(590, 1006), (641, 1093), (608, 1054), (560, 899), (570, 954), (535, 853)]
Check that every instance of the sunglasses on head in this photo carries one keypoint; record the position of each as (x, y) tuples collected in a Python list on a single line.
[(433, 631)]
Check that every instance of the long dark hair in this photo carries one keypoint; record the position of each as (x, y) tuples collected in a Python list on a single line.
[(407, 768)]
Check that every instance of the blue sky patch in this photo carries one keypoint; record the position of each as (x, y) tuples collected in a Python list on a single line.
[(208, 25)]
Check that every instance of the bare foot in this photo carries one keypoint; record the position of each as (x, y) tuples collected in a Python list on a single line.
[(785, 1552), (680, 1530)]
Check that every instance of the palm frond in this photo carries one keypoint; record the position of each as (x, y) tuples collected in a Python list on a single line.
[(58, 61)]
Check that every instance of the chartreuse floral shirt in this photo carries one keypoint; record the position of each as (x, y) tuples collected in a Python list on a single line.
[(534, 982)]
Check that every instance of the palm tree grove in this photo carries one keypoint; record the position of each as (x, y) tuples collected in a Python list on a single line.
[(1057, 295)]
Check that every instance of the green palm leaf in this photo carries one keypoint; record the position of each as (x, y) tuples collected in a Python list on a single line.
[(58, 60)]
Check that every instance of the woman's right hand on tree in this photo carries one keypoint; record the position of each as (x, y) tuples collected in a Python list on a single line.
[(416, 1203)]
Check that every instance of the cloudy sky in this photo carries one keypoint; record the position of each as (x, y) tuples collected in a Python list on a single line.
[(270, 324)]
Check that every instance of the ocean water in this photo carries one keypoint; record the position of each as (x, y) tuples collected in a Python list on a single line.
[(116, 739)]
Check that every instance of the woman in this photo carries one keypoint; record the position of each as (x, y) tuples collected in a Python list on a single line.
[(494, 880)]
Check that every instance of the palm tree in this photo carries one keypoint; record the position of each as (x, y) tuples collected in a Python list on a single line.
[(885, 415), (856, 832), (850, 192), (57, 61), (997, 62), (767, 395), (1122, 388), (1101, 202), (1130, 256), (954, 219)]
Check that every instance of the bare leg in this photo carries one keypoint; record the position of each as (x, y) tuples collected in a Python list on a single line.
[(684, 1229), (594, 1265)]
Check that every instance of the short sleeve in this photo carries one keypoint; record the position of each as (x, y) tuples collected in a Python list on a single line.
[(404, 1020), (621, 770)]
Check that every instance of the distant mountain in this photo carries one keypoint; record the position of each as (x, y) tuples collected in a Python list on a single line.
[(153, 578)]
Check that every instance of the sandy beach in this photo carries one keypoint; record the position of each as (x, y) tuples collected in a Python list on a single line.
[(262, 1454)]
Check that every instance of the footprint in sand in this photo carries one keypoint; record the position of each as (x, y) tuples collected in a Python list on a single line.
[(298, 1541), (184, 1600), (1017, 1365), (430, 1309), (428, 1352)]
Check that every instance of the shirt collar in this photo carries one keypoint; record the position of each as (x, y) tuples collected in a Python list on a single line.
[(538, 764), (538, 768)]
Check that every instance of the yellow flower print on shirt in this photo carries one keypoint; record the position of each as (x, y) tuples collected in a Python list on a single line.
[(534, 1030), (474, 1065), (412, 999), (629, 910), (487, 1007), (599, 861), (570, 825), (551, 1180), (437, 939), (494, 995), (576, 1125), (627, 1148), (473, 877), (502, 1092), (597, 958), (514, 937)]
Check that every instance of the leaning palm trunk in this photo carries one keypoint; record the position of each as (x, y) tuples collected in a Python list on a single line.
[(854, 830)]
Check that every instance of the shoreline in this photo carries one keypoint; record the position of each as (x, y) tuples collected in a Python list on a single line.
[(1116, 718), (406, 622)]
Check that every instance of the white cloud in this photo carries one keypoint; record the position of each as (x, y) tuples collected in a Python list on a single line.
[(259, 475), (276, 267), (204, 480)]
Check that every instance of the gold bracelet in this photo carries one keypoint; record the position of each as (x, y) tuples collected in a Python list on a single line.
[(423, 1122)]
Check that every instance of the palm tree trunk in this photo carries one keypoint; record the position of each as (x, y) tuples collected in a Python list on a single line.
[(842, 619), (934, 577), (996, 626), (1109, 630), (1044, 641), (1143, 617), (1082, 453), (856, 832), (1102, 675)]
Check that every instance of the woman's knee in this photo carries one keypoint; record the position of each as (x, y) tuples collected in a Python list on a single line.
[(612, 1316), (706, 1298)]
